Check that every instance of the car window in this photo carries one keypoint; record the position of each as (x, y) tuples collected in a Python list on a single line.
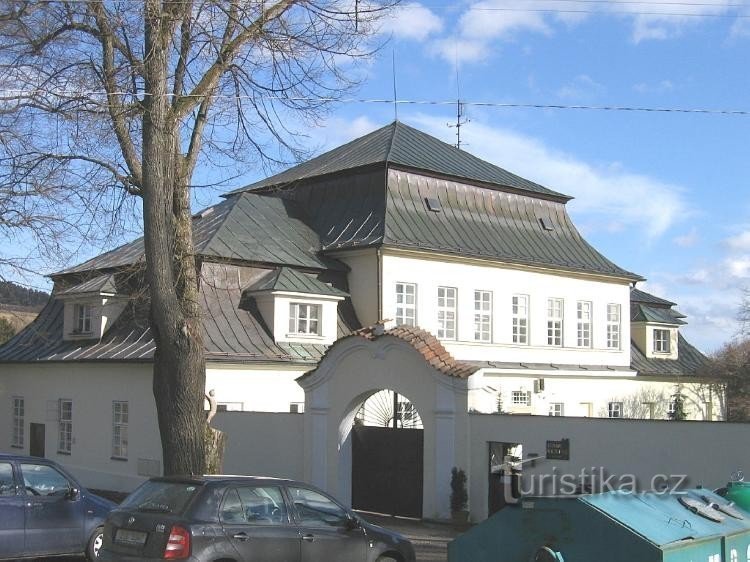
[(254, 505), (7, 484), (161, 497), (316, 509), (44, 480)]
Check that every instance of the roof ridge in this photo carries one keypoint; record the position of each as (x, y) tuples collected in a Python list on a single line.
[(394, 129)]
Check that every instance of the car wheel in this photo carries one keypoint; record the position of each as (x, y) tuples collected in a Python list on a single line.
[(386, 559), (95, 543)]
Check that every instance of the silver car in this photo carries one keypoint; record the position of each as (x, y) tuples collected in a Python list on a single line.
[(243, 518)]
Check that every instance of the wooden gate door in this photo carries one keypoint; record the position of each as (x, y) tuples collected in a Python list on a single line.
[(387, 470)]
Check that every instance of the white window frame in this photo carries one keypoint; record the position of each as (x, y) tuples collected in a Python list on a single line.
[(614, 331), (584, 313), (662, 344), (520, 315), (482, 316), (555, 318), (406, 304), (614, 409), (520, 398), (18, 436), (556, 409), (65, 426), (120, 420), (447, 299), (307, 324), (82, 318)]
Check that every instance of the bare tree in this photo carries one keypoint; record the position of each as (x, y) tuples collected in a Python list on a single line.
[(643, 404), (103, 98), (730, 366)]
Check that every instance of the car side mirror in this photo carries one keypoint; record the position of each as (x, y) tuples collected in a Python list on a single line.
[(73, 494), (352, 523)]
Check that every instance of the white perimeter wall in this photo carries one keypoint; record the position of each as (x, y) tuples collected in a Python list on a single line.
[(504, 282), (263, 444), (269, 389), (707, 452)]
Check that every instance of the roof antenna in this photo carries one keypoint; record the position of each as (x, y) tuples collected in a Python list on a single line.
[(393, 69), (461, 118)]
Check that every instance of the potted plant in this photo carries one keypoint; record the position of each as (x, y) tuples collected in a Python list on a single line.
[(459, 496)]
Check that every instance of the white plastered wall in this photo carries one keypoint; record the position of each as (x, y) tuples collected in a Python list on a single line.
[(92, 388), (270, 388), (504, 282)]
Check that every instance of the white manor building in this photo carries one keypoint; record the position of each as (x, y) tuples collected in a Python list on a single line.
[(393, 236)]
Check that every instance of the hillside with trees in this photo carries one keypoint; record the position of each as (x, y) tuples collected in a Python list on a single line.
[(13, 294)]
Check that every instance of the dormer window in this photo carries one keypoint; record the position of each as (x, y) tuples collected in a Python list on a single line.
[(304, 319), (82, 318), (661, 341)]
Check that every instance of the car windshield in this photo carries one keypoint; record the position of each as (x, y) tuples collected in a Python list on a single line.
[(162, 497)]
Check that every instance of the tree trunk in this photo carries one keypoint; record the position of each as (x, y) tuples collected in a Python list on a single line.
[(179, 364)]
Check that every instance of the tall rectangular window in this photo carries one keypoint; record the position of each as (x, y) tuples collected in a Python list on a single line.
[(583, 311), (520, 319), (304, 319), (82, 318), (18, 425), (406, 304), (555, 322), (613, 326), (661, 341), (65, 426), (120, 417), (483, 316), (446, 313)]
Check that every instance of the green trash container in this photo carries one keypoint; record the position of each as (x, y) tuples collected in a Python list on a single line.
[(739, 493)]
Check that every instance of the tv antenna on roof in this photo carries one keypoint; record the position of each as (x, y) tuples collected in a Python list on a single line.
[(461, 118)]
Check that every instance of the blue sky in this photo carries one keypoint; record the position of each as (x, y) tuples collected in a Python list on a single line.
[(663, 194)]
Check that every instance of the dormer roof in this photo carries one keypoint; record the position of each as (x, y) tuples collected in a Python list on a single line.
[(286, 279), (99, 285)]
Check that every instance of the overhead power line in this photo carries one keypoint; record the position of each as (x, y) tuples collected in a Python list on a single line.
[(11, 95), (721, 9)]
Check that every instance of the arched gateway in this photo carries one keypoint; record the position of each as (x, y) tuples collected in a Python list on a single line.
[(409, 362)]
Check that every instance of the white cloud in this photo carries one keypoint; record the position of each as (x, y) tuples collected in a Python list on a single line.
[(582, 87), (687, 240), (658, 88), (739, 267), (412, 21), (739, 243), (485, 22), (611, 197), (669, 18)]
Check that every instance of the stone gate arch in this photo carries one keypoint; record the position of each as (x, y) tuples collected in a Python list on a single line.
[(409, 361)]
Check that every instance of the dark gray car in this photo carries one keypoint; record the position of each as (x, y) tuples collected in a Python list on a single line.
[(44, 511), (243, 518)]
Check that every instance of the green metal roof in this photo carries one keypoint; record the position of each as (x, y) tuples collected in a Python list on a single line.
[(636, 295), (662, 519), (247, 227), (293, 281), (689, 363), (645, 313), (400, 145)]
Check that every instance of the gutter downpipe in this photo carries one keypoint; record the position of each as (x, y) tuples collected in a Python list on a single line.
[(379, 256)]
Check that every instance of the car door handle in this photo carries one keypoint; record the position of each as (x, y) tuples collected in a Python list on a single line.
[(243, 536), (308, 538)]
